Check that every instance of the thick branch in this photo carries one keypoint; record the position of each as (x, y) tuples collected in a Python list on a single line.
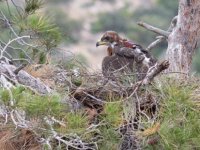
[(154, 29), (155, 70), (23, 78), (184, 38)]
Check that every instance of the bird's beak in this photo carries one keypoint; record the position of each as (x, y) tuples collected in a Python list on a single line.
[(101, 43)]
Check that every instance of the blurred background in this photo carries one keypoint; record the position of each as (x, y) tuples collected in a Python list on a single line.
[(82, 23)]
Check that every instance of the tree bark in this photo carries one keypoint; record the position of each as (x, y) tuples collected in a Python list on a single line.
[(185, 37)]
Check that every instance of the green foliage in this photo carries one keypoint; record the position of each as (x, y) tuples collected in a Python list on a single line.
[(44, 32), (32, 5), (112, 116), (113, 113), (34, 105), (179, 117), (76, 122), (5, 96), (110, 139), (41, 106), (27, 21), (48, 32), (42, 58)]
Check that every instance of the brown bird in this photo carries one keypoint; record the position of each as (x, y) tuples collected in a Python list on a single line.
[(122, 54), (114, 62)]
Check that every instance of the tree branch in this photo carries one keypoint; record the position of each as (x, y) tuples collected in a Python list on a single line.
[(155, 43), (20, 59), (154, 29), (16, 71), (15, 39), (155, 70), (20, 41), (3, 44)]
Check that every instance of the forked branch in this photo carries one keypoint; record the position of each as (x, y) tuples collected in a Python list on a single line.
[(154, 29)]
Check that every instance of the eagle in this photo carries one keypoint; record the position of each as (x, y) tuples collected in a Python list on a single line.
[(123, 55)]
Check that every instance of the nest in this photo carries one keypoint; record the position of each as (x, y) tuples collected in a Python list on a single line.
[(93, 91)]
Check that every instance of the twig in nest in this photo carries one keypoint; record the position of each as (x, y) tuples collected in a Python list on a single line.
[(20, 59), (93, 97), (136, 87), (153, 72), (16, 71), (140, 111), (154, 29)]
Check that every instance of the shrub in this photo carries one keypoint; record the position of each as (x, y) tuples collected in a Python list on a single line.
[(179, 116)]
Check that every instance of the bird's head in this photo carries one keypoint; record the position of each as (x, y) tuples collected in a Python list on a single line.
[(109, 38)]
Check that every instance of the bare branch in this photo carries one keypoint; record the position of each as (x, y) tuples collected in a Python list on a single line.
[(20, 41), (155, 70), (3, 44), (154, 29), (21, 59), (13, 40), (8, 23), (155, 43), (96, 99)]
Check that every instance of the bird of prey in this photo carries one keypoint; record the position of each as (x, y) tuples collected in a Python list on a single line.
[(122, 54)]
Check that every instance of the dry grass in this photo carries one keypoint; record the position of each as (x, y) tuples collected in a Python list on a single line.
[(20, 139)]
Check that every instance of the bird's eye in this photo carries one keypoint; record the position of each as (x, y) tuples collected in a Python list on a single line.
[(107, 38)]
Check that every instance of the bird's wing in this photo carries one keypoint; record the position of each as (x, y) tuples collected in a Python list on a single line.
[(131, 52), (125, 52)]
